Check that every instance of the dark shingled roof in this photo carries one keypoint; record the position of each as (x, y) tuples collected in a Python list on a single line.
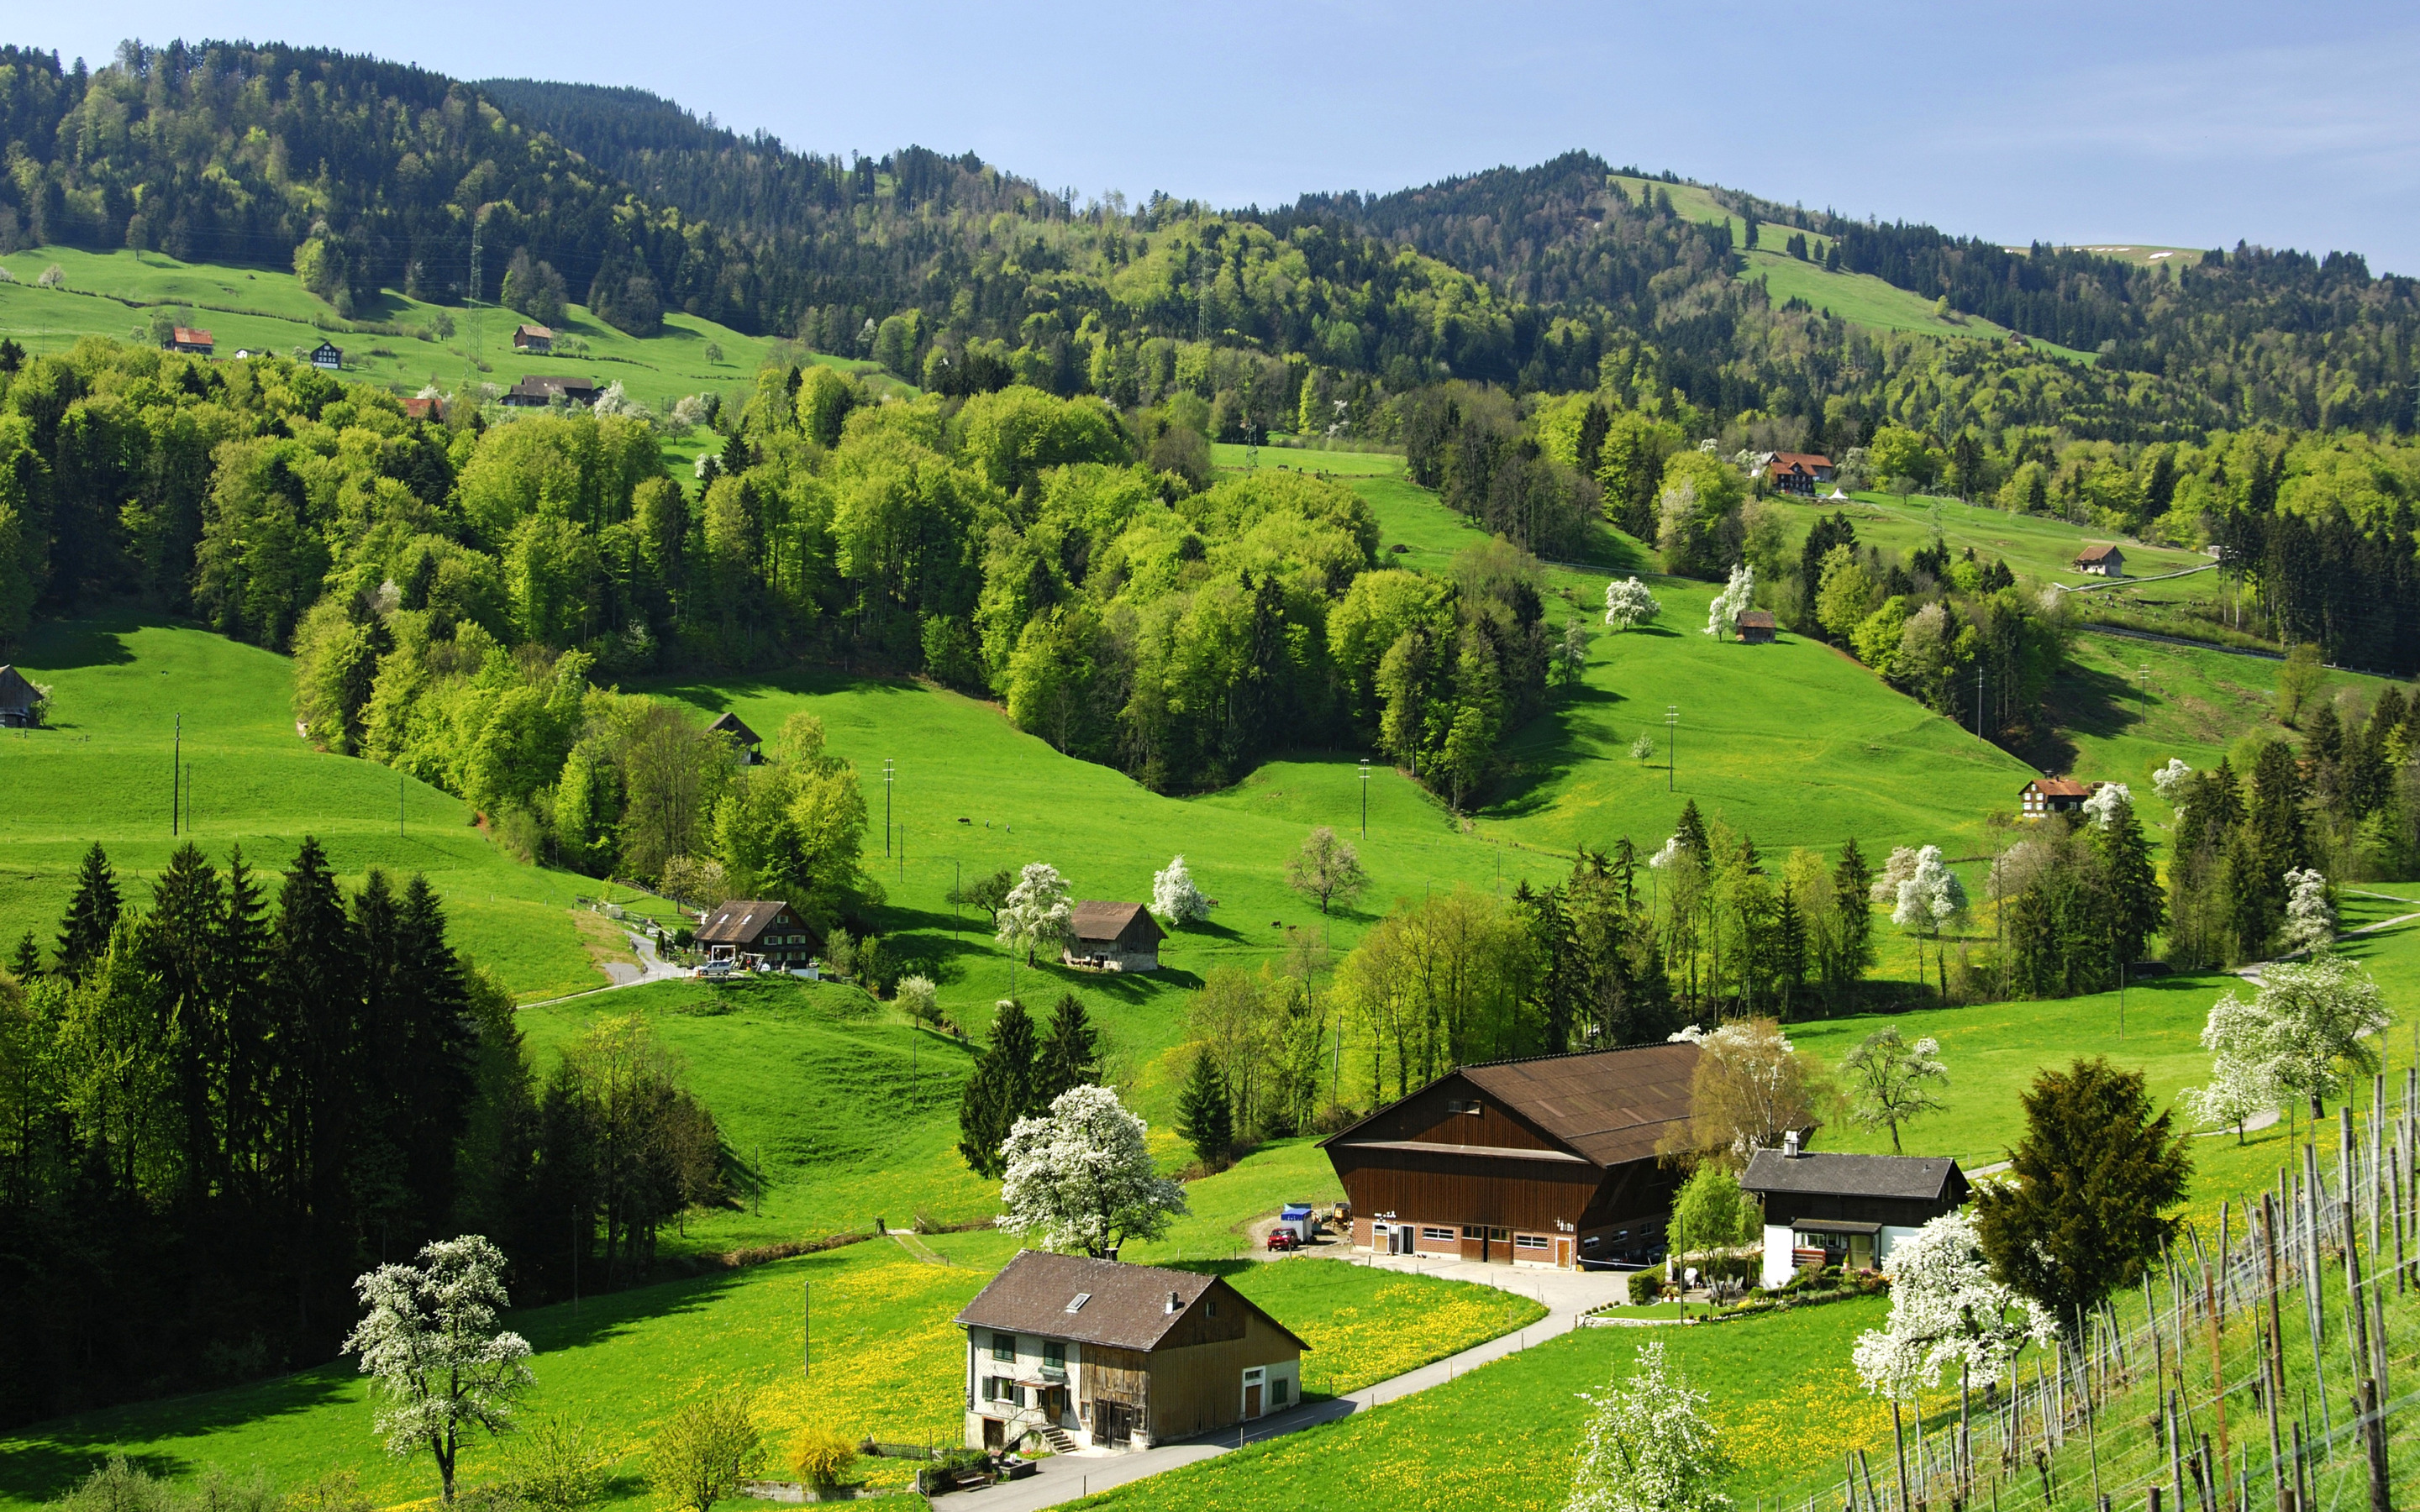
[(1609, 1105), (1125, 1306), (1756, 619), (729, 725), (1110, 921), (15, 693), (2098, 553), (1930, 1177), (739, 920)]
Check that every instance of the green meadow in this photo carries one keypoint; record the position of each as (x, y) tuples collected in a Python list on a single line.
[(267, 310)]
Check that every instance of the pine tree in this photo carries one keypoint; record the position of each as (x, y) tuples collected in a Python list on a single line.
[(315, 982), (26, 963), (1071, 1055), (1790, 949), (1204, 1115), (239, 957), (1852, 882), (175, 945), (1691, 833), (1000, 1091), (92, 913), (2138, 910)]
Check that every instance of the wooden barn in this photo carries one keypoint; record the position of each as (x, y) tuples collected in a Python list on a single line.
[(1109, 937), (2101, 560), (732, 728), (537, 390), (1845, 1210), (759, 931), (533, 338), (1755, 626), (1094, 1353), (192, 339), (17, 699), (1548, 1161), (1797, 472)]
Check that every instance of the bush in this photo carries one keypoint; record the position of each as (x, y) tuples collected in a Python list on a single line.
[(1645, 1286), (822, 1457), (559, 1466), (703, 1454)]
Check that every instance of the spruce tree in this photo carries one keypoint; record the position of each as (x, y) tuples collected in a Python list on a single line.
[(25, 963), (1852, 882), (1204, 1115), (240, 956), (92, 913), (2138, 910), (1691, 833), (315, 982), (1000, 1091), (1071, 1055)]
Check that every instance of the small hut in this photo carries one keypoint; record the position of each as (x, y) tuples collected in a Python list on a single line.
[(2101, 560), (731, 727), (1753, 626), (18, 700), (1112, 936)]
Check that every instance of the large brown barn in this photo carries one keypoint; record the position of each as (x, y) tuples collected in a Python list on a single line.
[(1549, 1161)]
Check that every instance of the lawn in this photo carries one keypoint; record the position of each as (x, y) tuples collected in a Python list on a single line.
[(102, 773), (884, 1361), (109, 294), (1309, 458)]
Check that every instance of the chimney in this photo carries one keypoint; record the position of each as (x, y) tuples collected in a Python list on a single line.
[(1174, 1305), (1789, 1144)]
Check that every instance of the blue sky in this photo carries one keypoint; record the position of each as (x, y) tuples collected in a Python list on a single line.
[(2111, 122)]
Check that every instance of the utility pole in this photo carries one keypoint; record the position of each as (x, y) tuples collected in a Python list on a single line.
[(398, 805), (1365, 797), (1672, 743), (1978, 701), (887, 774), (2143, 692), (176, 777)]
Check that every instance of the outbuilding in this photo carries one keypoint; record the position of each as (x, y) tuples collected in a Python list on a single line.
[(1092, 1353), (1549, 1161), (1845, 1210), (759, 931), (533, 338), (18, 701), (191, 339), (537, 390), (732, 729), (1753, 626), (1109, 936), (2101, 560), (2046, 796)]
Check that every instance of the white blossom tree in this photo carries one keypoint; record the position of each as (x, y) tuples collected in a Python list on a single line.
[(1947, 1310), (1736, 598), (2103, 806), (2243, 1067), (1669, 853), (1895, 870), (1648, 1446), (1037, 911), (1892, 1081), (1629, 605), (2169, 783), (1930, 899), (1081, 1176), (430, 1343), (2309, 1023), (2310, 918), (1173, 896)]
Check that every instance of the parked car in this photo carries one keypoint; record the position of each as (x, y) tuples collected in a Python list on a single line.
[(1284, 1239)]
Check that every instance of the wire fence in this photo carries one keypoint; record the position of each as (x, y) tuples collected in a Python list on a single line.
[(2255, 1363)]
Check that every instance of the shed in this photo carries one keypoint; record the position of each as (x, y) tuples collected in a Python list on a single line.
[(328, 356), (533, 338), (1110, 937), (1753, 626), (2053, 795), (18, 699), (1103, 1354), (1547, 1161), (537, 390), (1830, 1210), (730, 727), (191, 339), (2101, 560), (759, 931)]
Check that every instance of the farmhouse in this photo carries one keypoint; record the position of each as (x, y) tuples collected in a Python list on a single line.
[(431, 407), (17, 699), (730, 727), (2053, 795), (1845, 1210), (1098, 1354), (531, 338), (2101, 560), (537, 392), (1549, 1161), (1113, 937), (759, 931), (191, 339), (1797, 472), (327, 357), (1753, 626)]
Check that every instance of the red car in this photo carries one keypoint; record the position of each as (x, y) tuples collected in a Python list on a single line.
[(1284, 1239)]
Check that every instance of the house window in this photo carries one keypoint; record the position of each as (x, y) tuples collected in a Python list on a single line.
[(1054, 1355), (1535, 1241), (1278, 1392), (1003, 1347), (999, 1389), (1440, 1236)]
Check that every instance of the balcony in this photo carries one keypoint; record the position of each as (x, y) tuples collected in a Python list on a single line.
[(1055, 1375)]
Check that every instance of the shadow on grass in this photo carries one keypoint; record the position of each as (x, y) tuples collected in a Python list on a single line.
[(2085, 701), (67, 645)]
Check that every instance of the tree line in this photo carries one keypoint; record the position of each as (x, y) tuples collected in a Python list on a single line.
[(220, 1104)]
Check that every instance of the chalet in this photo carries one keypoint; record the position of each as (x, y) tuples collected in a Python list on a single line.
[(1844, 1210), (759, 931), (18, 700), (431, 407), (533, 339), (190, 339), (2053, 795), (537, 392), (732, 729), (1099, 1354), (1753, 626), (1113, 937), (1549, 1161), (1797, 472), (2101, 560), (327, 357)]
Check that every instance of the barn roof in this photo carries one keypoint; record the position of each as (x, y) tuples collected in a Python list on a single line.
[(192, 336), (1106, 1302), (15, 693), (534, 329), (2061, 787), (730, 724), (1807, 461), (2098, 553), (739, 920), (1607, 1106), (1756, 619), (1096, 921), (1930, 1177)]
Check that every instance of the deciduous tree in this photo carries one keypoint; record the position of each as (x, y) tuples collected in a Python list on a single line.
[(1082, 1178), (430, 1344)]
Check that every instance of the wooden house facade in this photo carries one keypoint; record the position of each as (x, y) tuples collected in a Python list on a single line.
[(1797, 472), (1549, 1161), (1112, 936), (18, 701), (2101, 560), (759, 931), (537, 392), (1755, 626), (533, 338), (746, 741), (1845, 1210), (2046, 796), (1081, 1352)]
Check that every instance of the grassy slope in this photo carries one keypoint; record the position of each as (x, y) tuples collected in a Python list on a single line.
[(102, 774), (657, 370), (2035, 547)]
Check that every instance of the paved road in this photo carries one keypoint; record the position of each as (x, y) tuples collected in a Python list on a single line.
[(1564, 1294)]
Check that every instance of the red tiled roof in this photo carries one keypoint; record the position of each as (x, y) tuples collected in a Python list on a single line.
[(192, 336), (2061, 787)]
